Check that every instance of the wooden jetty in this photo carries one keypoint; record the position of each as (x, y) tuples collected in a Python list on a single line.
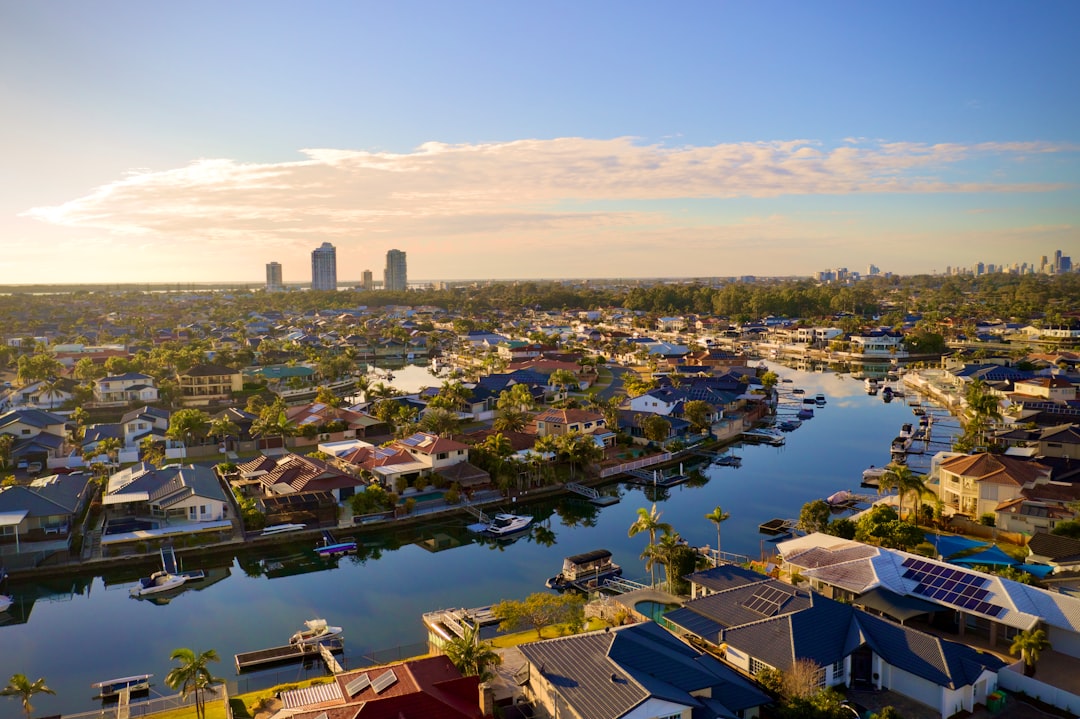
[(289, 653), (777, 526), (656, 478), (600, 500)]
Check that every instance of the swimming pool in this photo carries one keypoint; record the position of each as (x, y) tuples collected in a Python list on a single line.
[(654, 610), (422, 497), (122, 526)]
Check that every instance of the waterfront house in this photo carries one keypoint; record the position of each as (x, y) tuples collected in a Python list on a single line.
[(428, 688), (633, 672), (433, 451), (878, 343), (178, 494), (44, 509), (39, 435), (292, 473), (977, 484), (754, 622), (206, 384), (124, 388), (1053, 389), (555, 422), (852, 571)]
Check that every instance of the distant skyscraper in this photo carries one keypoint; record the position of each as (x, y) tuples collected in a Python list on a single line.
[(394, 277), (367, 282), (273, 277), (324, 268)]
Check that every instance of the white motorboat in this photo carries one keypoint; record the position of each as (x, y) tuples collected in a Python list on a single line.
[(317, 630), (504, 524), (160, 581)]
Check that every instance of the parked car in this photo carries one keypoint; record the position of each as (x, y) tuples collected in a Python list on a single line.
[(23, 464), (33, 468)]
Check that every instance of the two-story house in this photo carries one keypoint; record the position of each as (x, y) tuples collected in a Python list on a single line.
[(125, 388), (977, 484), (204, 384)]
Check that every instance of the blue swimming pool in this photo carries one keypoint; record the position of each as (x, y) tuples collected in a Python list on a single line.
[(122, 526)]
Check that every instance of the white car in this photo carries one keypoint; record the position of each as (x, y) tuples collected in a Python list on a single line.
[(33, 468)]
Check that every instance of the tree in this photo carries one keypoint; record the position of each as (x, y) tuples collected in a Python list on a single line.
[(151, 451), (20, 686), (472, 657), (648, 521), (187, 424), (654, 427), (562, 379), (193, 674), (443, 422), (815, 516), (327, 397), (223, 427), (578, 449), (540, 610), (697, 413), (518, 397), (7, 442), (1029, 644), (274, 422), (509, 419), (717, 517)]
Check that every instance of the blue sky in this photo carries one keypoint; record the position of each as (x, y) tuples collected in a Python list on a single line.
[(197, 141)]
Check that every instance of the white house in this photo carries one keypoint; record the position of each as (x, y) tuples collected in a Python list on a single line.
[(125, 388)]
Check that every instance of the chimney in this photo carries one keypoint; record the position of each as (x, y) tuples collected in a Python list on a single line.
[(487, 700)]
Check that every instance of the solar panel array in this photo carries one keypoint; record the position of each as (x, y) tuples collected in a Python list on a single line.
[(358, 685), (767, 600), (384, 681), (954, 586)]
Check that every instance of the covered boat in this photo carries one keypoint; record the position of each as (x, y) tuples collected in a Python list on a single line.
[(505, 524), (315, 631), (588, 567)]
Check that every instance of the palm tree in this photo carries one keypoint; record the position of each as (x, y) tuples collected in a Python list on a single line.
[(110, 447), (193, 675), (665, 550), (905, 482), (1028, 645), (20, 686), (648, 521), (223, 427), (891, 480), (472, 657), (717, 516)]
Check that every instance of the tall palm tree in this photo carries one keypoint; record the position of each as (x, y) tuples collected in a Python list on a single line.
[(471, 656), (717, 516), (648, 520), (914, 485), (20, 686), (193, 674), (1029, 644), (890, 480), (665, 549)]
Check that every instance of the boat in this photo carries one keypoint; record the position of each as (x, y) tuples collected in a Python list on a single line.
[(160, 581), (504, 524), (316, 631), (112, 688), (788, 425), (819, 400), (777, 526), (582, 570), (282, 529), (331, 546), (759, 435), (728, 460), (871, 385), (798, 390), (905, 430), (5, 602), (871, 477), (843, 498), (805, 413)]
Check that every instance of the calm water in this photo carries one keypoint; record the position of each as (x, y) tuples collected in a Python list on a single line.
[(77, 633)]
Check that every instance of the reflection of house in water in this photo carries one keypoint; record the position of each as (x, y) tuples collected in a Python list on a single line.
[(287, 565), (438, 541), (51, 590)]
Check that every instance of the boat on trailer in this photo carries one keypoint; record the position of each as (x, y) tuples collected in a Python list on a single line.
[(582, 571), (112, 688)]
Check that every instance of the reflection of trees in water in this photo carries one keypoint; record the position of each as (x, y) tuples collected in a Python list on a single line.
[(544, 536), (575, 512)]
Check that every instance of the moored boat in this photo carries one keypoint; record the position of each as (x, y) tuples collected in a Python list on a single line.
[(315, 631), (5, 602), (330, 546), (505, 524), (819, 400), (160, 581), (589, 567)]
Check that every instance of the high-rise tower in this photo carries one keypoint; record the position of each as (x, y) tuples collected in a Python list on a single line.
[(273, 277), (324, 267), (394, 277)]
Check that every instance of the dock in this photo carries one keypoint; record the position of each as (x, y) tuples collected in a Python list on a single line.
[(656, 478), (600, 500), (246, 661), (777, 526)]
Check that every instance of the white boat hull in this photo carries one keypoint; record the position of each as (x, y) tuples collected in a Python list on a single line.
[(157, 583)]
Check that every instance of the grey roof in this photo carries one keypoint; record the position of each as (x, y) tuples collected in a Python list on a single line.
[(153, 412), (33, 417), (1055, 547), (726, 576), (820, 556), (47, 497), (167, 486), (606, 674)]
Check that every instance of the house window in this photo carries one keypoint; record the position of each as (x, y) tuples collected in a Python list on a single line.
[(671, 716), (756, 666), (202, 510), (192, 513), (838, 671), (441, 455)]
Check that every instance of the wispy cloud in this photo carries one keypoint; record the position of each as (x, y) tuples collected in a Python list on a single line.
[(500, 185)]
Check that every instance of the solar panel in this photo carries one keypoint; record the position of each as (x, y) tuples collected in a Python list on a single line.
[(767, 600), (384, 681), (358, 685)]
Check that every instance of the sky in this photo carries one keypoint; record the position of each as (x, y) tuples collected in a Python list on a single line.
[(197, 141)]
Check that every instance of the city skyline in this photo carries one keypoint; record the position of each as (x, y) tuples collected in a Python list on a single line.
[(708, 140)]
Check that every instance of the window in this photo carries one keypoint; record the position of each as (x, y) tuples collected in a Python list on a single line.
[(838, 671), (671, 716), (192, 513), (441, 455), (202, 510)]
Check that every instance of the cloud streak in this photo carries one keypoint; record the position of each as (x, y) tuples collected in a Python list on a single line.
[(507, 184)]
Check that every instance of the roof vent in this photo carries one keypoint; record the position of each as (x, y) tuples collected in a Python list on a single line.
[(614, 678)]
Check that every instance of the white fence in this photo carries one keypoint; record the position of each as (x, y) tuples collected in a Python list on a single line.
[(1012, 678), (636, 464)]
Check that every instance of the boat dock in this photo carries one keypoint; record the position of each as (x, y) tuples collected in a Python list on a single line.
[(778, 526), (246, 661), (656, 478), (449, 623), (754, 435), (600, 500)]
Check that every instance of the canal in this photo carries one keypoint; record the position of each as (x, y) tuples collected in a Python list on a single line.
[(77, 632)]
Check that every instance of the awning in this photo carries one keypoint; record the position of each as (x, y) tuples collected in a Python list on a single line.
[(992, 557), (897, 606), (947, 545), (12, 518)]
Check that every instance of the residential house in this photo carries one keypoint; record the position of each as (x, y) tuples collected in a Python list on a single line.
[(754, 622), (977, 484), (428, 688), (293, 473), (1060, 441), (138, 424), (556, 422), (205, 384), (633, 672), (433, 451), (176, 494), (124, 389), (44, 509), (881, 342), (1060, 552), (39, 435), (42, 394), (994, 608), (1053, 389), (347, 422)]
